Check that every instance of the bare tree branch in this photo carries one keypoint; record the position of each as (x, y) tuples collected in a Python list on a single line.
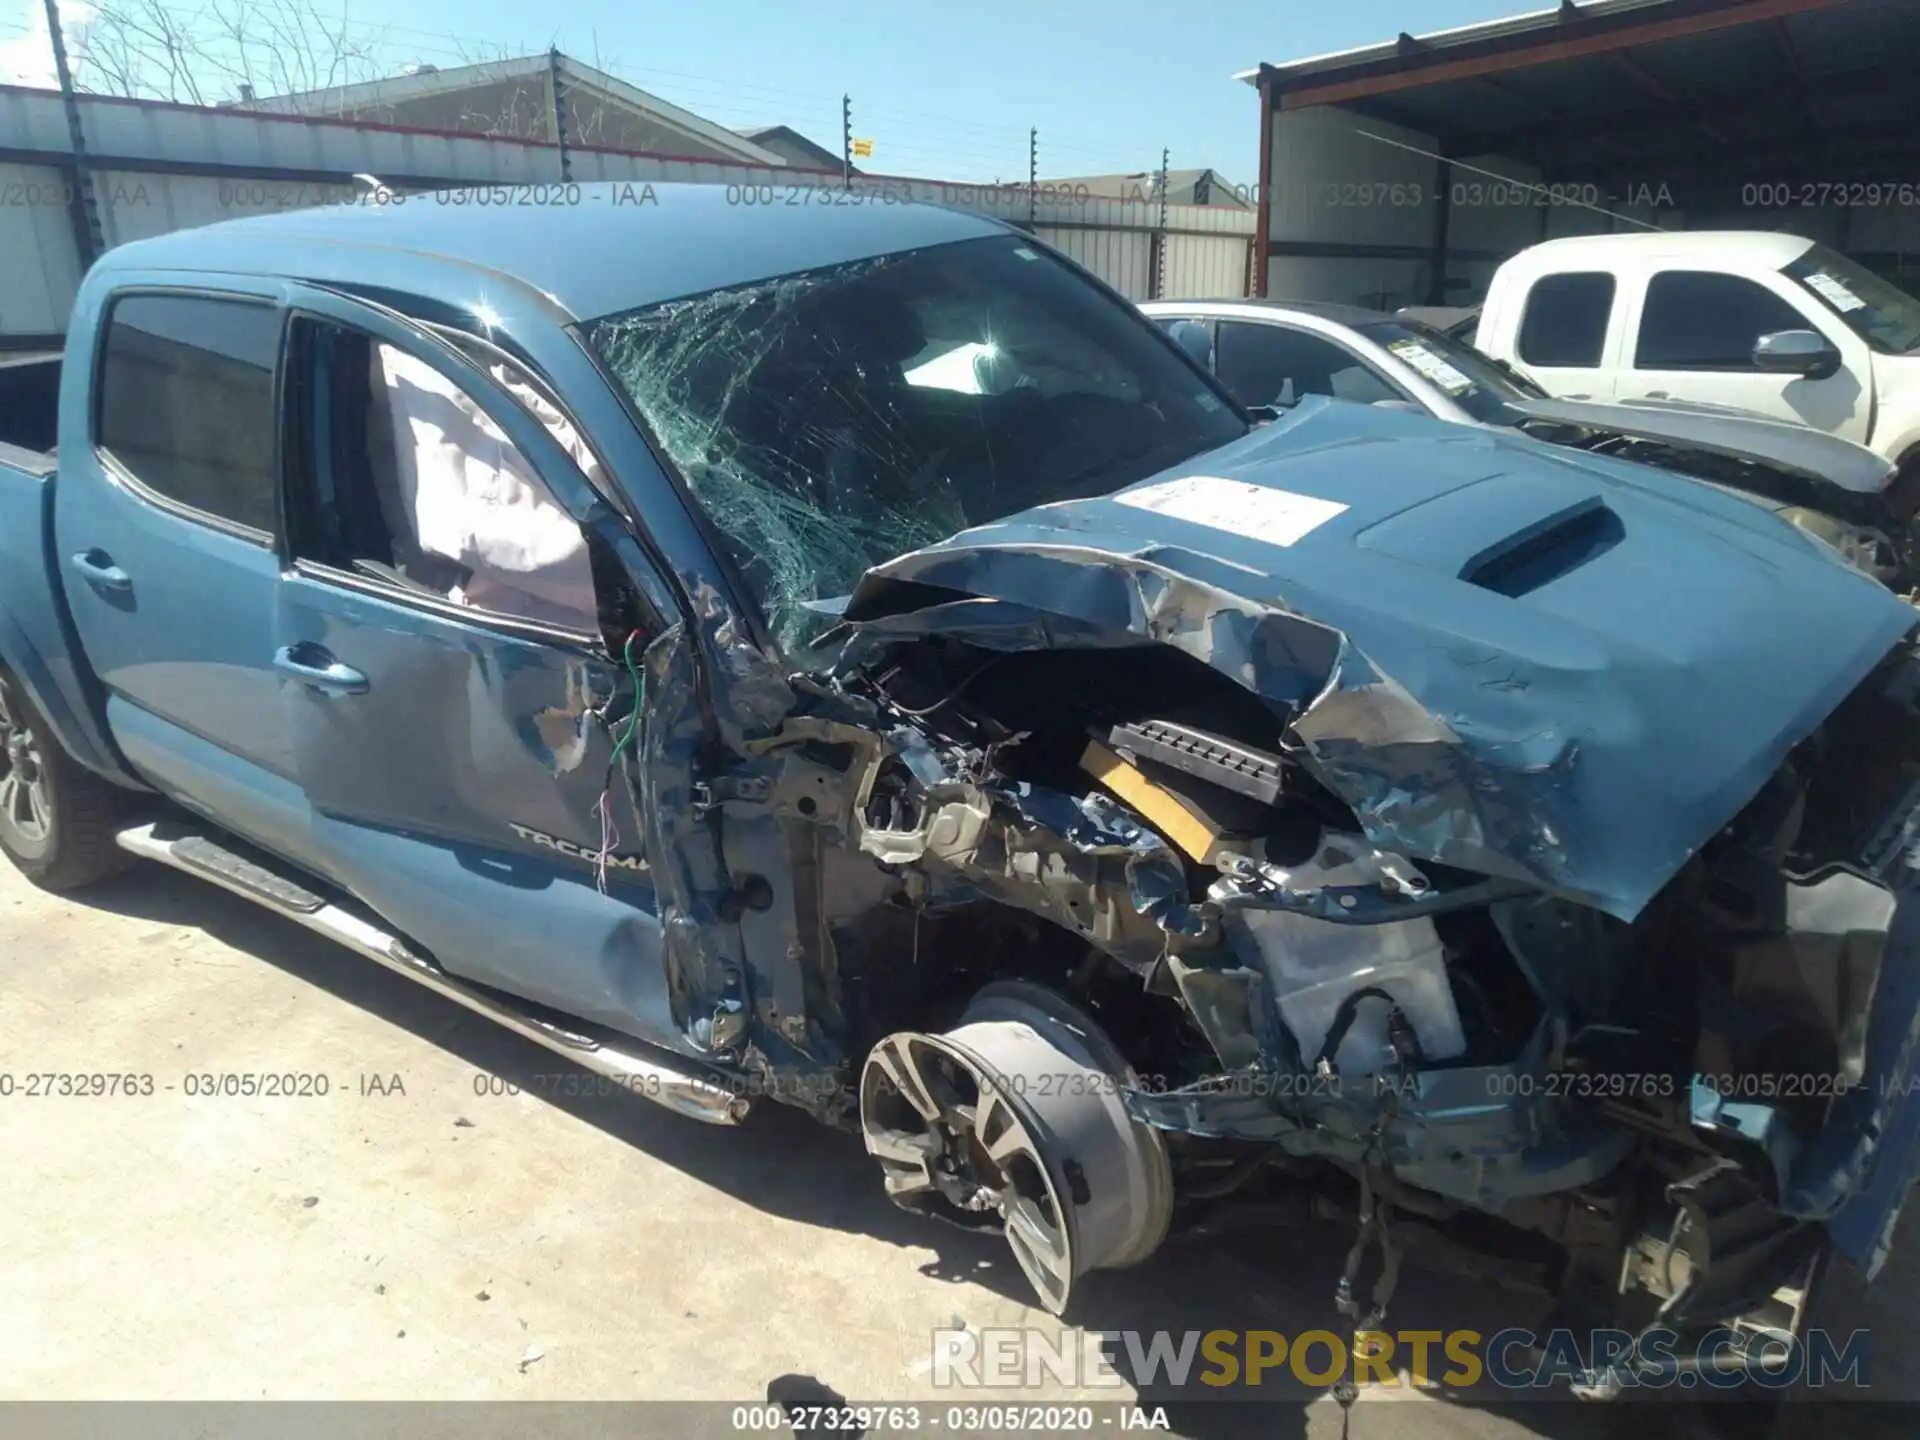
[(233, 49)]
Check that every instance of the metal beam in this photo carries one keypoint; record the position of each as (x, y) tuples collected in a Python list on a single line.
[(1442, 222), (1796, 71), (1348, 250), (1660, 90), (1526, 52), (1656, 129), (1867, 155), (1773, 153), (1519, 97), (1263, 197)]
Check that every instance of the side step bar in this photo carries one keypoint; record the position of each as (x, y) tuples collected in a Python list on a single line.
[(201, 855)]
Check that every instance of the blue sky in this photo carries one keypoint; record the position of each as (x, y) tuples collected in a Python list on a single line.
[(942, 89)]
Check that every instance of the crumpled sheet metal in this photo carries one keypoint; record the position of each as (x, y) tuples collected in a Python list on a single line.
[(1857, 1170), (1415, 784), (705, 967), (1081, 860), (1156, 878), (1585, 740)]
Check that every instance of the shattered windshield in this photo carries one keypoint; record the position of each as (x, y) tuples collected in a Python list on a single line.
[(1477, 383), (833, 419), (1877, 310)]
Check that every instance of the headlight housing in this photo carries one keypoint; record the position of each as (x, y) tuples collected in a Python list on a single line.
[(1863, 546)]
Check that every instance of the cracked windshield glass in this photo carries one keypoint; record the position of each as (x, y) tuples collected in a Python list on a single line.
[(830, 420)]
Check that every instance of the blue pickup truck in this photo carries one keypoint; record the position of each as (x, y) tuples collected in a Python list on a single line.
[(845, 657)]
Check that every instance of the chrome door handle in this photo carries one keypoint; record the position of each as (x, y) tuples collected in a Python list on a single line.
[(97, 568), (317, 670)]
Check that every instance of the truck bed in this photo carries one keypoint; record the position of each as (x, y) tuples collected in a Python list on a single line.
[(29, 402)]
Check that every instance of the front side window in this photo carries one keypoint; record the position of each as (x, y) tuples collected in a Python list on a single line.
[(1277, 365), (186, 402), (1701, 320), (830, 420), (1876, 310), (1565, 322), (412, 483)]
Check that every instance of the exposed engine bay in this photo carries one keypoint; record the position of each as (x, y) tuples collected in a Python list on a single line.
[(1502, 836), (1141, 923), (1456, 1045)]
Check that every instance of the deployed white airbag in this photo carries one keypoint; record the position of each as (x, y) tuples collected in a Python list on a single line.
[(474, 499)]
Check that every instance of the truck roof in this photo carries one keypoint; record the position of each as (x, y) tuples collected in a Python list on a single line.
[(604, 248), (1761, 248)]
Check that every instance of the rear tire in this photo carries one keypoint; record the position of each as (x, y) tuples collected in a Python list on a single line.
[(57, 818)]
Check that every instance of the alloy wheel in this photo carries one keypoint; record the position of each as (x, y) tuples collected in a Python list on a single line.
[(26, 807)]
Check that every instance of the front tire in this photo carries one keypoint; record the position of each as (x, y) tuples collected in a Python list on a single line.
[(1014, 1120), (57, 818)]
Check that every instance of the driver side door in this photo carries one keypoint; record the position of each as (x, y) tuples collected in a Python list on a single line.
[(454, 733)]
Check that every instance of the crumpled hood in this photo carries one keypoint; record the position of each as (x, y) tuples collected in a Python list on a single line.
[(1519, 660)]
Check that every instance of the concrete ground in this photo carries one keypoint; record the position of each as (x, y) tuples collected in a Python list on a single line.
[(412, 1235)]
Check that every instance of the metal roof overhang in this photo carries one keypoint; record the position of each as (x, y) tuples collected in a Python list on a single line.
[(1613, 91)]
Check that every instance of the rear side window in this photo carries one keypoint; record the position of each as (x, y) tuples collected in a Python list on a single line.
[(1699, 320), (1565, 322), (186, 402)]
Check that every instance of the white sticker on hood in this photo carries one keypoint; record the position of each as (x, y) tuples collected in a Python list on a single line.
[(1259, 512), (1834, 292)]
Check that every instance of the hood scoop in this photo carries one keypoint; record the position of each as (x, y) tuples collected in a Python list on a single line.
[(1510, 534)]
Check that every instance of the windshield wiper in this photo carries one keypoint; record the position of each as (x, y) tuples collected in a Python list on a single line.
[(1521, 383)]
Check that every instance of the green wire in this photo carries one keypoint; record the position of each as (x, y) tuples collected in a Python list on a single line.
[(639, 699)]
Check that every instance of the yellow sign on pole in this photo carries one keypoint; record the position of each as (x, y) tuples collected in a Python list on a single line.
[(862, 149)]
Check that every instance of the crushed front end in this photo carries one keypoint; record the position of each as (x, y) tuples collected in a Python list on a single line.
[(1476, 833), (1589, 918)]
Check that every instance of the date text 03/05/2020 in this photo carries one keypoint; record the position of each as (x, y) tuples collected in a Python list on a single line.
[(1008, 1419)]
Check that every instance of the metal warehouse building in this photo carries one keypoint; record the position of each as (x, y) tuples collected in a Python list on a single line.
[(79, 178), (1404, 172)]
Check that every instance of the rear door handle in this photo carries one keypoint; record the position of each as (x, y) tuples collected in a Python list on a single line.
[(97, 567), (316, 669)]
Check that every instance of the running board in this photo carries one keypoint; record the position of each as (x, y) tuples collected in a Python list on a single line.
[(201, 855)]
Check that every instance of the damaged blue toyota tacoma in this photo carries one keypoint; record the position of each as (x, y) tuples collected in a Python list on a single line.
[(846, 657)]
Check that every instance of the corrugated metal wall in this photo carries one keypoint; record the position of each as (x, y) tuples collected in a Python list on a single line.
[(160, 167), (1203, 267), (1347, 183), (1334, 184), (39, 267), (1123, 258)]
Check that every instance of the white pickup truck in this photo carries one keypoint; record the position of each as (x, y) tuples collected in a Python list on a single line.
[(1772, 324)]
